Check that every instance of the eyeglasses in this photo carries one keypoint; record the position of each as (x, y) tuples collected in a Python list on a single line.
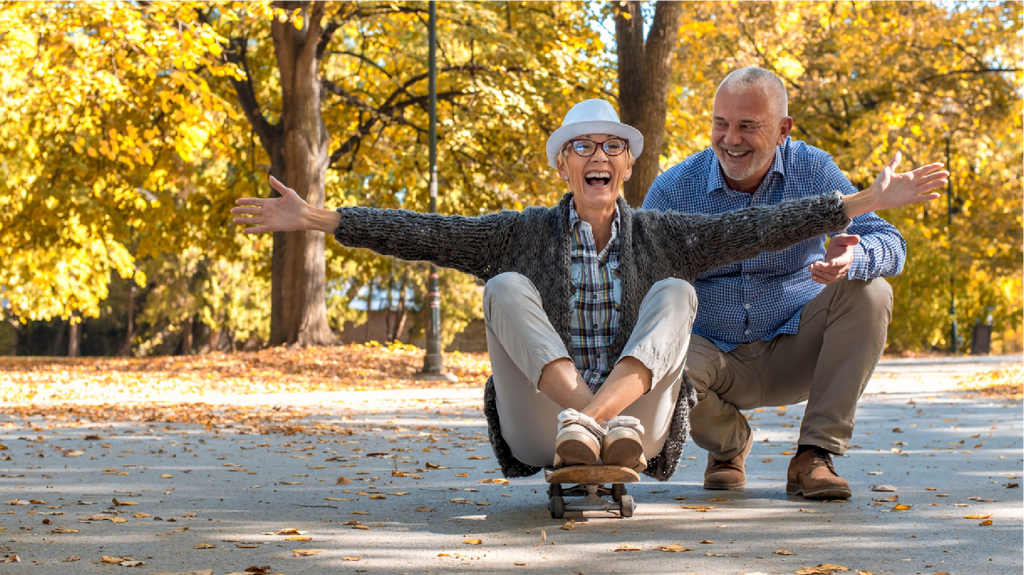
[(587, 148)]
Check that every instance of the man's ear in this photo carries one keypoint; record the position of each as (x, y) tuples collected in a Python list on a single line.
[(785, 127)]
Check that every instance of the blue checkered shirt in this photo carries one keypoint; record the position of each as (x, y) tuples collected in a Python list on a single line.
[(761, 298), (596, 293)]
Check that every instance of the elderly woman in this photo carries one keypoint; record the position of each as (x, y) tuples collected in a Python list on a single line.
[(588, 304)]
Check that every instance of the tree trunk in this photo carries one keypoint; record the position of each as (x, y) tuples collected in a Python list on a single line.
[(186, 336), (645, 75), (74, 336), (299, 158)]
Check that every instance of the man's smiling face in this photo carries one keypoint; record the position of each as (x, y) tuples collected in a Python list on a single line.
[(746, 128)]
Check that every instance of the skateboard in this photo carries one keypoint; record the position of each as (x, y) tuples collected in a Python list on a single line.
[(588, 485)]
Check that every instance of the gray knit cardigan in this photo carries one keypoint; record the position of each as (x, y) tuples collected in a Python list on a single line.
[(535, 243)]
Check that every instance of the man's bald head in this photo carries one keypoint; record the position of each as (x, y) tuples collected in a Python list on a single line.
[(767, 82)]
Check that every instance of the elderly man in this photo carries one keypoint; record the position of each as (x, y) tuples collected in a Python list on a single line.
[(806, 323)]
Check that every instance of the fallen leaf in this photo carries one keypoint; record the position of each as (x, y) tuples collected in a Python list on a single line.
[(472, 541), (978, 516), (205, 546), (674, 548), (822, 569), (985, 523), (784, 552), (902, 507), (706, 542), (299, 538), (307, 552), (883, 488), (628, 547)]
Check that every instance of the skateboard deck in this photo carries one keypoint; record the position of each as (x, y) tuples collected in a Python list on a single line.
[(586, 488)]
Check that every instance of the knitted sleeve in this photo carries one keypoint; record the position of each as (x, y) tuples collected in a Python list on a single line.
[(468, 244), (698, 243)]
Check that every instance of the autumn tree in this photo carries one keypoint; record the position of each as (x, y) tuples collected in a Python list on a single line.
[(203, 100), (866, 79)]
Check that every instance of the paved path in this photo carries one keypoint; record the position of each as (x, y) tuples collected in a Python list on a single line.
[(405, 482)]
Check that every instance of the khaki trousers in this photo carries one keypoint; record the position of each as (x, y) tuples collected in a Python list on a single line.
[(521, 341), (828, 362)]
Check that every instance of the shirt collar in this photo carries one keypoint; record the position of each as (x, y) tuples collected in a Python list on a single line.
[(716, 181), (575, 221)]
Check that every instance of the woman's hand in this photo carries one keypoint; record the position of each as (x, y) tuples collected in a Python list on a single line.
[(287, 213), (892, 190)]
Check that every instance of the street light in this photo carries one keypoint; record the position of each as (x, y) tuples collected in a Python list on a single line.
[(950, 113), (433, 361)]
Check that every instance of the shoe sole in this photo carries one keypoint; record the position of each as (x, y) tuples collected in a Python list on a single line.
[(624, 450), (819, 493), (577, 449), (725, 486)]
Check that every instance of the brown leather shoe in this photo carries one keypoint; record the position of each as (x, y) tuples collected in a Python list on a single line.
[(812, 476), (729, 474)]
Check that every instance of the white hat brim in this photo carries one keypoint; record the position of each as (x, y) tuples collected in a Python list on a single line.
[(562, 135)]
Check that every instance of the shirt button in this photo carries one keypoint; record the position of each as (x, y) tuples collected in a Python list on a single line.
[(746, 306), (598, 356), (747, 332), (595, 326), (594, 297)]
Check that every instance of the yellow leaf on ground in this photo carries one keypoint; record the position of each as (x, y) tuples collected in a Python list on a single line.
[(822, 569), (472, 541), (674, 548), (978, 516), (205, 546), (299, 538), (307, 552), (627, 547)]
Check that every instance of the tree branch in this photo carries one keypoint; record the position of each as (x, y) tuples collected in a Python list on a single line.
[(267, 132)]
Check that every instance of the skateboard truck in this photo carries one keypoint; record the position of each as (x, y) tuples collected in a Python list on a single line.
[(587, 487)]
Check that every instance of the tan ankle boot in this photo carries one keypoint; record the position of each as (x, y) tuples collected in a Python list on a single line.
[(729, 474), (812, 476)]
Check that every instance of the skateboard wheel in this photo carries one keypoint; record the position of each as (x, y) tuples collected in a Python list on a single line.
[(626, 506), (557, 506), (618, 490), (554, 489)]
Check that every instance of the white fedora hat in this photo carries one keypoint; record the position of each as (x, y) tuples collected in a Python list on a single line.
[(593, 117)]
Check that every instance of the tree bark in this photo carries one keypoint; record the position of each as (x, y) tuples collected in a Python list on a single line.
[(75, 336), (298, 150), (645, 75)]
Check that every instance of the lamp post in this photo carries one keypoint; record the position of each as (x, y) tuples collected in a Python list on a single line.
[(950, 113), (433, 362)]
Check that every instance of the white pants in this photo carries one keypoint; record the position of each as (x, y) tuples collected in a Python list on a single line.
[(521, 341)]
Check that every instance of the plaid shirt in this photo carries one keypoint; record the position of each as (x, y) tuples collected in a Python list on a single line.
[(761, 298), (596, 293)]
